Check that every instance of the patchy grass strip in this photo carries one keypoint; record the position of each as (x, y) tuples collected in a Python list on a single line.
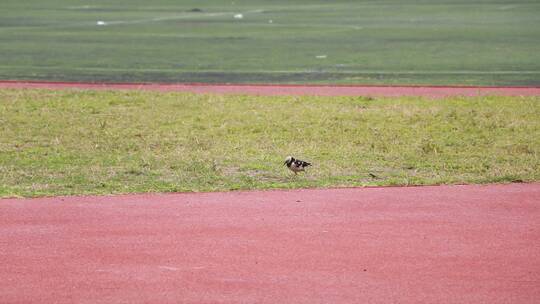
[(102, 142)]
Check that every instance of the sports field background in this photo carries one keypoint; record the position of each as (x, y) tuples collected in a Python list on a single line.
[(452, 42)]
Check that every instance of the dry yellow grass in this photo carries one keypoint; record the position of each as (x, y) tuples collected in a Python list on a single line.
[(101, 142)]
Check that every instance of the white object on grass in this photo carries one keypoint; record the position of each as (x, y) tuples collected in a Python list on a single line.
[(238, 16), (101, 23), (321, 56)]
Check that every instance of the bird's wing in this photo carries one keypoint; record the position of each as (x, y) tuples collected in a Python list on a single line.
[(301, 163)]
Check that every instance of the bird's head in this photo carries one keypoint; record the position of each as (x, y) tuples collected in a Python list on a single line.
[(288, 160)]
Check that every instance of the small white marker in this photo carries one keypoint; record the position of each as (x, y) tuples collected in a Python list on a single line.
[(101, 23), (238, 16), (321, 56)]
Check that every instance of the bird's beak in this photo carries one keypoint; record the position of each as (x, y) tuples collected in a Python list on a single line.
[(285, 163)]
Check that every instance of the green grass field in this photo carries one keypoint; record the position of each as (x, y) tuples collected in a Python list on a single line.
[(487, 42), (101, 142)]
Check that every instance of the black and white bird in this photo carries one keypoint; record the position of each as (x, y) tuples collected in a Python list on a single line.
[(296, 165)]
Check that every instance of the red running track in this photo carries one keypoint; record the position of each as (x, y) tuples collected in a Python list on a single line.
[(449, 244), (260, 89)]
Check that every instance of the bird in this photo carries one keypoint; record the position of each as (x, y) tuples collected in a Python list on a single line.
[(296, 165)]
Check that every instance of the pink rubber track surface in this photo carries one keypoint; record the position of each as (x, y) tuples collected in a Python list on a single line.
[(260, 89), (445, 244)]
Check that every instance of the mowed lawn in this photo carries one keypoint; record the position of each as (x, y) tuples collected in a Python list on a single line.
[(101, 142), (487, 42)]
